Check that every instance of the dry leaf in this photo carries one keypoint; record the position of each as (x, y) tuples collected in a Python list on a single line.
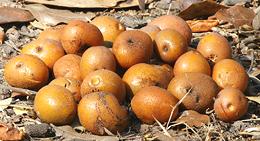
[(69, 133), (252, 131), (10, 133), (200, 9), (16, 94), (2, 35), (5, 103), (236, 15), (53, 17), (8, 15), (39, 25), (184, 4), (90, 3), (202, 25), (254, 98), (256, 21), (22, 109), (141, 4), (193, 118)]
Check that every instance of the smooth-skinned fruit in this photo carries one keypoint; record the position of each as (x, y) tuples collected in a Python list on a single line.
[(53, 33), (199, 90), (77, 35), (26, 71), (68, 66), (132, 47), (55, 104), (73, 85), (110, 28), (229, 73), (95, 58), (49, 51), (100, 110), (143, 75), (214, 47), (104, 80), (152, 103), (191, 61), (170, 45), (173, 22), (230, 105)]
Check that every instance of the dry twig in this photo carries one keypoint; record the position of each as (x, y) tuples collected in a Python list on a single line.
[(18, 90)]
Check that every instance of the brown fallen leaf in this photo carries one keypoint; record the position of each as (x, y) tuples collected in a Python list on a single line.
[(90, 3), (202, 25), (9, 15), (53, 17), (2, 35), (69, 133), (10, 133), (186, 3), (236, 15), (193, 118), (201, 9)]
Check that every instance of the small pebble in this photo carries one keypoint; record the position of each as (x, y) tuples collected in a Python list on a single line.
[(40, 130)]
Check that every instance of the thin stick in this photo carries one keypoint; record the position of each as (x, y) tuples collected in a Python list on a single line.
[(163, 128), (175, 106), (18, 90), (192, 130), (17, 106), (169, 9), (247, 120), (252, 62)]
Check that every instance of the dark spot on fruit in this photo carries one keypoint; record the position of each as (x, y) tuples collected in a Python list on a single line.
[(38, 49), (19, 65), (130, 41), (197, 99), (165, 48)]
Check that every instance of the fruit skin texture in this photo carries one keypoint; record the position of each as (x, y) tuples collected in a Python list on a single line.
[(191, 61), (201, 88), (104, 80), (49, 51), (95, 58), (55, 104), (173, 22), (143, 75), (100, 109), (73, 85), (151, 30), (132, 47), (51, 33), (230, 105), (26, 71), (68, 66), (78, 35), (110, 28), (229, 73), (154, 102), (214, 47), (170, 45)]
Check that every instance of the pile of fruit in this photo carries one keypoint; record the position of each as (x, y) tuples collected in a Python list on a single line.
[(100, 72)]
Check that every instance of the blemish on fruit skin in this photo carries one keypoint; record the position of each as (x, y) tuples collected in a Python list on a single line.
[(130, 41), (165, 48), (38, 49), (19, 65)]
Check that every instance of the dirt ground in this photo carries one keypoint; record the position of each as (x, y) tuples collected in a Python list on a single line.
[(246, 49)]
